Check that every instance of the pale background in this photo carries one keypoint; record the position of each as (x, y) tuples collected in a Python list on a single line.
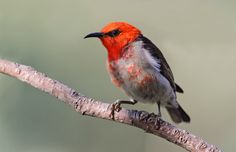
[(198, 39)]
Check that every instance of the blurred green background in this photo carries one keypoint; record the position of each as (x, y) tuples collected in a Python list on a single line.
[(198, 39)]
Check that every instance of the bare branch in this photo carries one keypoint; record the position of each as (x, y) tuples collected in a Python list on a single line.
[(88, 106)]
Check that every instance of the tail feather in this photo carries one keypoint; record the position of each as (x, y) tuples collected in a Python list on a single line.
[(178, 114)]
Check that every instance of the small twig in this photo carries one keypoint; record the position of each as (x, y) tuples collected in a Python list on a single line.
[(88, 106)]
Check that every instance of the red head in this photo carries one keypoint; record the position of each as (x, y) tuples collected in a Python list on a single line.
[(115, 36)]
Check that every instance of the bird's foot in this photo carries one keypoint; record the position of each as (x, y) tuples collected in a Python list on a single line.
[(116, 106), (157, 123), (159, 114)]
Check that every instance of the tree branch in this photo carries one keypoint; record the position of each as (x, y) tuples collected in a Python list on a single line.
[(88, 106)]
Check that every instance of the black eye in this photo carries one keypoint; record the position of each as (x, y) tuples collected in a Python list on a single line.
[(114, 33)]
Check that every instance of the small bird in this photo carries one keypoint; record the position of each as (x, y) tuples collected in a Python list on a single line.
[(139, 68)]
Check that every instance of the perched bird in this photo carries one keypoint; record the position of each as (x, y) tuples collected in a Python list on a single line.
[(137, 66)]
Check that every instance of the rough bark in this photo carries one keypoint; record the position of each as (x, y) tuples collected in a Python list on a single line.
[(91, 107)]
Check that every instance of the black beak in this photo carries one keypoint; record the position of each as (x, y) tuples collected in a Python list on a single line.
[(97, 34)]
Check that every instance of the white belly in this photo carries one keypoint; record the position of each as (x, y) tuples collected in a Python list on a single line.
[(146, 86), (141, 80)]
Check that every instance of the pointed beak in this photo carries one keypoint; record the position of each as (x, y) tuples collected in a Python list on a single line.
[(97, 34)]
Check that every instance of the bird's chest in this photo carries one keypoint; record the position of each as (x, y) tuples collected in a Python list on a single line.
[(134, 75), (128, 69), (127, 73)]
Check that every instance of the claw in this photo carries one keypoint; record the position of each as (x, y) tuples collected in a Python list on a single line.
[(116, 106), (157, 123)]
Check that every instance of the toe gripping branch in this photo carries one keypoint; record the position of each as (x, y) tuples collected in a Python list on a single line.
[(116, 106), (151, 120), (138, 117)]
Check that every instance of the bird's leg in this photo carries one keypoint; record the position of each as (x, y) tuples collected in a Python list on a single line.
[(159, 109), (158, 114), (118, 102), (116, 106)]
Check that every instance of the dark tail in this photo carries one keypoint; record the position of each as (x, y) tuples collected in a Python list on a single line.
[(178, 114)]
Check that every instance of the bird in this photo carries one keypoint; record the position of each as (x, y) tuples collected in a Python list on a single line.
[(137, 66)]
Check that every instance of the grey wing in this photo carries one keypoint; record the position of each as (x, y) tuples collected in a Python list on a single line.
[(164, 69), (167, 73)]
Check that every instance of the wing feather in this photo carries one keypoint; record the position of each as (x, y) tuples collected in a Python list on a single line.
[(164, 67)]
